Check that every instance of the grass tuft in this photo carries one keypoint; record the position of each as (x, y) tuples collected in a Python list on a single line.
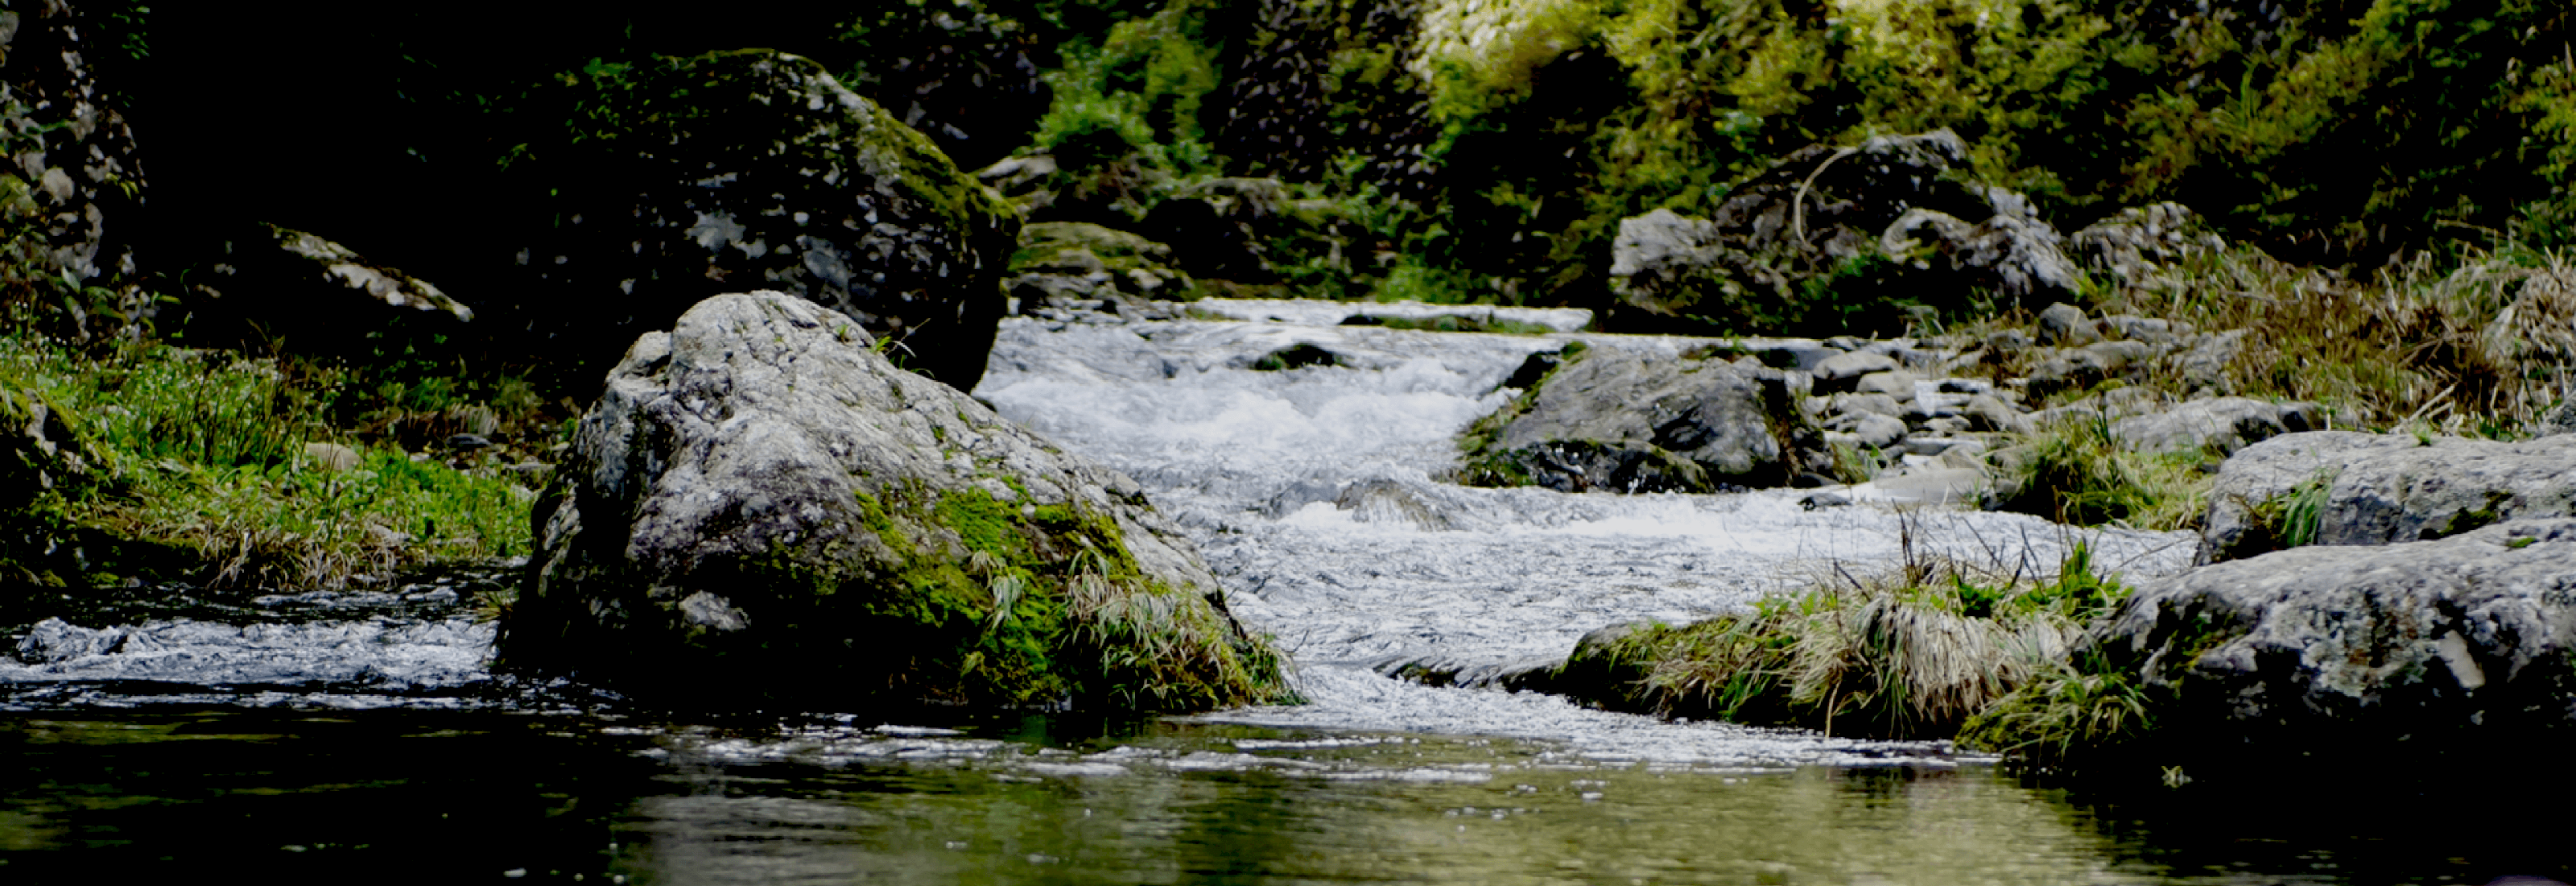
[(1912, 654)]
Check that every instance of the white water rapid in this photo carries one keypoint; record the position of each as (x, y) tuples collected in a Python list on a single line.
[(1315, 493)]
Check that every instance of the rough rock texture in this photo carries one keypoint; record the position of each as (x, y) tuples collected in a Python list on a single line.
[(761, 509), (2466, 641), (72, 165), (755, 169), (2141, 242), (2226, 424), (1618, 421), (2011, 257), (2377, 489), (1822, 212), (1080, 266)]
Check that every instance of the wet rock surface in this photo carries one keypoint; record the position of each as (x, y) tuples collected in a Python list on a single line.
[(2455, 644), (1615, 420), (760, 493), (2377, 489)]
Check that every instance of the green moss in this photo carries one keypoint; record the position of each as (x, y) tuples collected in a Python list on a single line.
[(1046, 602)]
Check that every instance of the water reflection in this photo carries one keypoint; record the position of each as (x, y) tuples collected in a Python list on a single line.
[(445, 796)]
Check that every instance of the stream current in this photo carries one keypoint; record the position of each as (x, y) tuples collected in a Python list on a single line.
[(314, 734)]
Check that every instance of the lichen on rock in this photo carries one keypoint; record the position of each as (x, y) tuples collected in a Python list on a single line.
[(761, 509)]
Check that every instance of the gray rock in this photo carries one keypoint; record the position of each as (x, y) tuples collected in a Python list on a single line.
[(1076, 265), (2065, 325), (2013, 257), (1879, 404), (756, 169), (1618, 421), (1843, 371), (761, 510), (1896, 385), (1874, 430), (2426, 646), (1740, 270), (2143, 241), (1987, 412), (2203, 364), (2224, 423), (2374, 489)]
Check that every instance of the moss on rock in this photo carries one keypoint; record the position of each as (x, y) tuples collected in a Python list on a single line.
[(763, 511)]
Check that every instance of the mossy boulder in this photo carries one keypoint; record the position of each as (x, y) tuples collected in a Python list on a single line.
[(763, 511), (1621, 421), (1060, 262), (683, 178)]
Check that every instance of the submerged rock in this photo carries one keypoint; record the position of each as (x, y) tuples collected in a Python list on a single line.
[(762, 510), (2439, 645), (756, 169), (1617, 421), (2346, 488)]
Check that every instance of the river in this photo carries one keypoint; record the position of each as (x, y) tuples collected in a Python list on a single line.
[(330, 735)]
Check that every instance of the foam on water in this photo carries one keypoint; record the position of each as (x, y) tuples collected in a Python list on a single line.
[(1315, 493)]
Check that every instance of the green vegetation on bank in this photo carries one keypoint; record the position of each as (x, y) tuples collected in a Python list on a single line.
[(1524, 130), (1913, 654), (211, 467)]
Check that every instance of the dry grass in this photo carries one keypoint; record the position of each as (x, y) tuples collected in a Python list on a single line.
[(1914, 653), (2477, 347)]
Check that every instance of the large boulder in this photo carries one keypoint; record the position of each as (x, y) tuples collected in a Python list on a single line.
[(2346, 488), (1619, 421), (2465, 642), (684, 178), (1828, 218), (762, 510)]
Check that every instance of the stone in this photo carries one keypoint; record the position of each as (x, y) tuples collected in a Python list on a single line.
[(2417, 648), (2225, 424), (2013, 259), (1987, 412), (1060, 263), (2065, 325), (2204, 361), (1895, 384), (1619, 421), (74, 179), (762, 511), (2142, 242), (1843, 371), (1817, 211), (1881, 404), (2347, 488), (1873, 430), (756, 169)]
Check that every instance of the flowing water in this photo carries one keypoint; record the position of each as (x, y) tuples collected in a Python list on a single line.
[(358, 734)]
